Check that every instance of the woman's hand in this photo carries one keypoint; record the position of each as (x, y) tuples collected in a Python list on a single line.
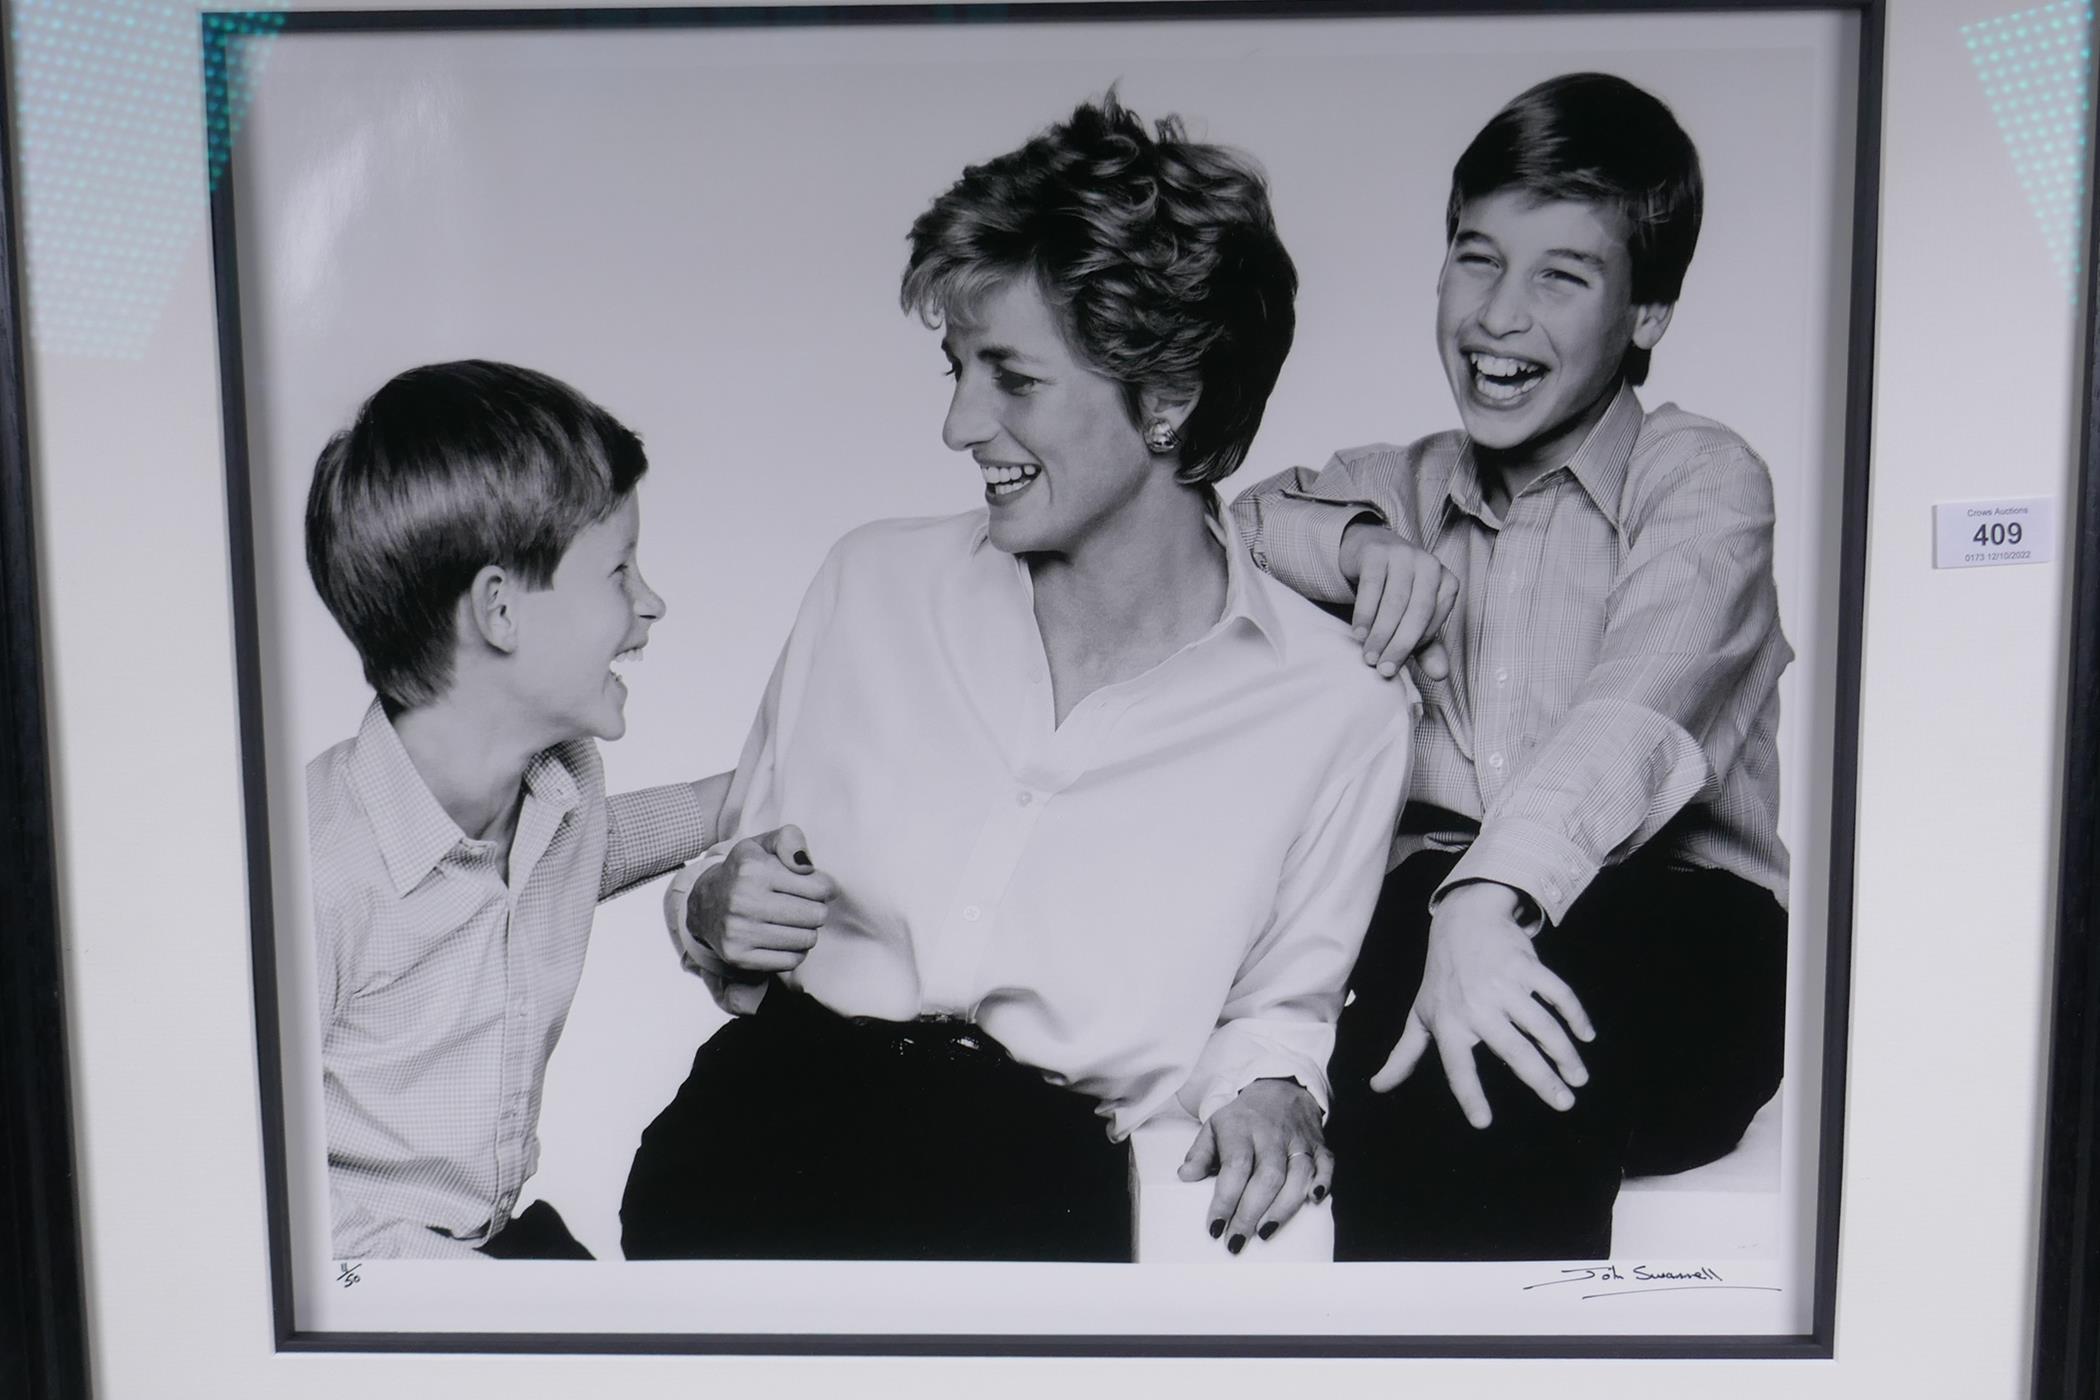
[(1483, 984), (761, 909), (1270, 1155), (1403, 595)]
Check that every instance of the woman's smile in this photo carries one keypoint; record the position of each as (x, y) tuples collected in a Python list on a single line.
[(1005, 480), (1026, 407)]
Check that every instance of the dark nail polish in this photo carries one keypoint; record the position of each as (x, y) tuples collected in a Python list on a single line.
[(1236, 1243), (1217, 1228), (1319, 1193), (1267, 1230), (802, 857)]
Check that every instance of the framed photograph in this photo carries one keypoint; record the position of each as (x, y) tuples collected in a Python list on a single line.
[(697, 220), (164, 1075)]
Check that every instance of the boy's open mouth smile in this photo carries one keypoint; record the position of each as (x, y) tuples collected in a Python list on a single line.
[(621, 661), (1503, 379), (1006, 479)]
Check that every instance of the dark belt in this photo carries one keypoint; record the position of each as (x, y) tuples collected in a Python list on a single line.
[(948, 1039)]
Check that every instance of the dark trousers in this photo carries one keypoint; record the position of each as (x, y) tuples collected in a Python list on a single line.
[(1683, 974), (801, 1134), (536, 1232)]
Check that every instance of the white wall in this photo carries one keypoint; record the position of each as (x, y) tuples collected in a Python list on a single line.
[(1959, 735)]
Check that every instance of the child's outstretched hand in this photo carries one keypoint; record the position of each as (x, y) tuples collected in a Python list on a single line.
[(1484, 985), (1403, 595), (762, 908)]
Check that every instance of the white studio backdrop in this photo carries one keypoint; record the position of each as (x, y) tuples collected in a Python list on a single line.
[(1976, 395), (704, 229)]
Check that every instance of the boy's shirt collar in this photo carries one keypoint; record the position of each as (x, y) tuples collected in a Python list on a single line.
[(413, 830), (1599, 465), (549, 778)]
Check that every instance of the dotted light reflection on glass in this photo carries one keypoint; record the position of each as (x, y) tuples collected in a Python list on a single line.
[(2035, 68), (109, 111)]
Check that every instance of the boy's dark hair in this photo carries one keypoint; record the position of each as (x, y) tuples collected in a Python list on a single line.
[(1601, 140), (1159, 254), (446, 469)]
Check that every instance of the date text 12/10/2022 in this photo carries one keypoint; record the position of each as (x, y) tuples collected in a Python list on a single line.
[(1967, 534)]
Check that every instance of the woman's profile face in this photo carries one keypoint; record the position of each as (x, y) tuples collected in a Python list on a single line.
[(1052, 438)]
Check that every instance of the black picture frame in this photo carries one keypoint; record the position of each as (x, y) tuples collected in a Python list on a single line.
[(43, 1306), (2067, 1285), (222, 30)]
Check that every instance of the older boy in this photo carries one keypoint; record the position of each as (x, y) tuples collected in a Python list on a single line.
[(474, 534), (1591, 848)]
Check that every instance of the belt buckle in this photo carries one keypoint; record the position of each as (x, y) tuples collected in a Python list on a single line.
[(948, 1037)]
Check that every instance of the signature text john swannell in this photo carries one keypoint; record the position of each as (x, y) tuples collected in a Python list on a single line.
[(1645, 1278)]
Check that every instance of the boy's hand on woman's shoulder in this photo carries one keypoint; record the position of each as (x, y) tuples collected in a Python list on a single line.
[(1483, 984), (762, 908), (1403, 595)]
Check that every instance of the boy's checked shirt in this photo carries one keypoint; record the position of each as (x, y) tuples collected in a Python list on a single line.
[(444, 981), (1615, 647)]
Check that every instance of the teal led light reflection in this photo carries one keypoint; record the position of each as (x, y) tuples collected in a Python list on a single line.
[(2035, 68), (112, 98)]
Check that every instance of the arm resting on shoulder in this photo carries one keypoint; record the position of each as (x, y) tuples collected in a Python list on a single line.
[(1293, 521)]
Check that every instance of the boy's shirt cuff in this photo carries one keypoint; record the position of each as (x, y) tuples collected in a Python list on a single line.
[(1533, 859), (1298, 539)]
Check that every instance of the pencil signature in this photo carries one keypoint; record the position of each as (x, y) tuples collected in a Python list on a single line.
[(1611, 1281)]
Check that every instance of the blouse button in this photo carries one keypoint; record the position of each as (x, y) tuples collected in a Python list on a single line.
[(1495, 760), (971, 912)]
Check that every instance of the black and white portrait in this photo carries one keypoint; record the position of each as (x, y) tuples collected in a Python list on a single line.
[(932, 673)]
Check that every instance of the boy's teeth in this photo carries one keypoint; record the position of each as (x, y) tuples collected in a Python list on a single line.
[(1504, 393), (1503, 379), (1502, 366)]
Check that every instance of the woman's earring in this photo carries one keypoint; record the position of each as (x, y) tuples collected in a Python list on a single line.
[(1160, 436)]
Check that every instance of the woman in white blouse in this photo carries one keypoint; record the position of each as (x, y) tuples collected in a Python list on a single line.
[(1101, 809)]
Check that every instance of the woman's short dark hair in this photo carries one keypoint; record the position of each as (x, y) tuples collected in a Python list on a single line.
[(1158, 253), (1600, 140), (447, 469)]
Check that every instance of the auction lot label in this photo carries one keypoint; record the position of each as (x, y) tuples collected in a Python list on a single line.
[(1971, 534)]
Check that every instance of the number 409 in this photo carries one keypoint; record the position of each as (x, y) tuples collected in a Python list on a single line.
[(2000, 533)]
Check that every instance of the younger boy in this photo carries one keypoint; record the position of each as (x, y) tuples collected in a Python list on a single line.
[(474, 533), (1590, 851)]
